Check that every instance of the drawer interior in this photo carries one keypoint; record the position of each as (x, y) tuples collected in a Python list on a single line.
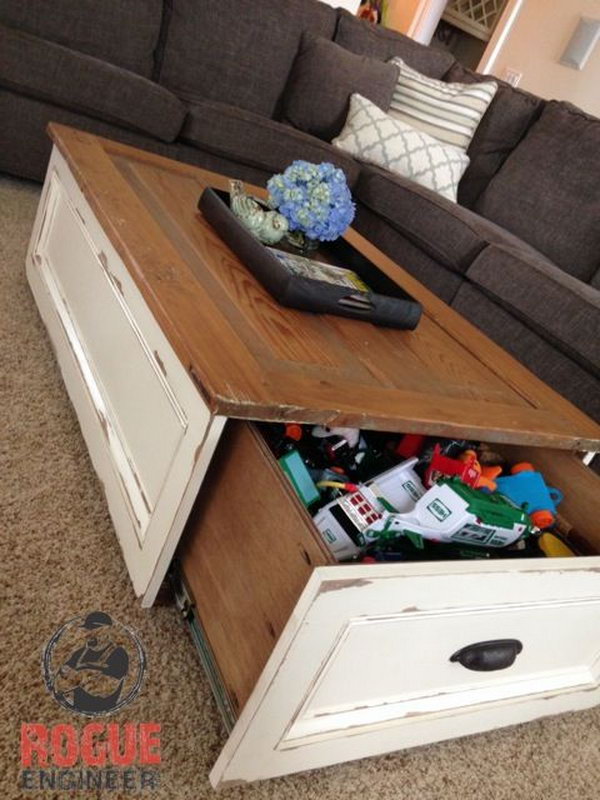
[(579, 484), (251, 545), (247, 552)]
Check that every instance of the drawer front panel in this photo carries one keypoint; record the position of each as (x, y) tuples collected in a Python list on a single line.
[(364, 667), (405, 667)]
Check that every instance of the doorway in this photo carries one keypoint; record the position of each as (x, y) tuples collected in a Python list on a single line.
[(474, 31)]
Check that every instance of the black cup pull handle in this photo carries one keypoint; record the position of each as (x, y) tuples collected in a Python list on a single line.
[(488, 656)]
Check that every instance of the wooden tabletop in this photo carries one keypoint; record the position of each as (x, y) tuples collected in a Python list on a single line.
[(252, 358)]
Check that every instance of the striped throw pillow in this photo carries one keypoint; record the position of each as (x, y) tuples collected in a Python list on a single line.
[(450, 112)]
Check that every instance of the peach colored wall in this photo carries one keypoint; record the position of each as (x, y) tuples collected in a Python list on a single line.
[(400, 14), (536, 42)]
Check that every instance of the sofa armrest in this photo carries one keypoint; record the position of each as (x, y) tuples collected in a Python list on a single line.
[(56, 74), (562, 308)]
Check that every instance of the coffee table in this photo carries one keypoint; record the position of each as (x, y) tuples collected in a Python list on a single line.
[(162, 335)]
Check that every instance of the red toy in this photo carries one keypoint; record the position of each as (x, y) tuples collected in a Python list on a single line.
[(442, 466), (466, 467), (410, 445)]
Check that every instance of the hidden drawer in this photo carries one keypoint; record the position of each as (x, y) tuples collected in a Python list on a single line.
[(321, 662)]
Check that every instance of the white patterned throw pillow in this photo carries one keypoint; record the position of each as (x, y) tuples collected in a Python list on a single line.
[(373, 136), (450, 112)]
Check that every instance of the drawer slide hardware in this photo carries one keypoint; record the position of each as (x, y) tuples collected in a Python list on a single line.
[(488, 656), (181, 595)]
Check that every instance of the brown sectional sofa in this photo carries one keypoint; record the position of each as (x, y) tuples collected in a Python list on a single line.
[(209, 83)]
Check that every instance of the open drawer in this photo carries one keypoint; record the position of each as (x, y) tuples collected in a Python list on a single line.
[(323, 662)]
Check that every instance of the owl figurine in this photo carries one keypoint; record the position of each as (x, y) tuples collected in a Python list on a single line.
[(268, 226)]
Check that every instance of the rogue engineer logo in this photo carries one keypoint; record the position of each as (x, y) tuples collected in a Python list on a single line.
[(92, 666)]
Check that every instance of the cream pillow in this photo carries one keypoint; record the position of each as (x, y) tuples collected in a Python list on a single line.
[(450, 112), (373, 136)]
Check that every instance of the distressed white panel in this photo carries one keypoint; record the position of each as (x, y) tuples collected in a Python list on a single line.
[(137, 401), (363, 668), (405, 666), (148, 431)]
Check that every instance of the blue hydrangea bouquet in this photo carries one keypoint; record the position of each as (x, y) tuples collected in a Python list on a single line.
[(315, 200)]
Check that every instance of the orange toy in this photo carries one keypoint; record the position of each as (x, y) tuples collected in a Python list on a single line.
[(487, 475)]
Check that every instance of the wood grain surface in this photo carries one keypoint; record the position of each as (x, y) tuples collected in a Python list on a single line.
[(248, 550), (252, 358)]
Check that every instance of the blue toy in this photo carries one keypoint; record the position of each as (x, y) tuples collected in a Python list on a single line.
[(526, 487)]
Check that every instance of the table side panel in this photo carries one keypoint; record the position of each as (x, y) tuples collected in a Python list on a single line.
[(119, 368), (145, 424)]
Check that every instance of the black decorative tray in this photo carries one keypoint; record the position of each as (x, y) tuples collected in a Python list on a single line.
[(384, 304)]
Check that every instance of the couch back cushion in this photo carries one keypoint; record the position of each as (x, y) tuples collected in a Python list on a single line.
[(320, 107), (506, 121), (122, 32), (376, 41), (547, 189), (239, 53)]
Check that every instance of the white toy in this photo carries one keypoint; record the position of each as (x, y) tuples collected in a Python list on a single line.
[(351, 435), (452, 512), (344, 521)]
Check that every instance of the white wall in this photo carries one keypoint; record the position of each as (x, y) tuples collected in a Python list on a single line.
[(427, 21), (536, 42), (349, 5)]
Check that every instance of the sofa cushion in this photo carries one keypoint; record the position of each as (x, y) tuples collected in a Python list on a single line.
[(27, 118), (409, 256), (375, 137), (376, 41), (320, 106), (449, 111), (451, 234), (563, 308), (122, 33), (87, 85), (531, 348), (504, 124), (239, 53), (257, 141), (547, 189)]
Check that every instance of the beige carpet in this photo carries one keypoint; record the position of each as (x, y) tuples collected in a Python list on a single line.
[(60, 559)]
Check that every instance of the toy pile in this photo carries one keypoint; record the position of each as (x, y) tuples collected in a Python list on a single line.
[(381, 497)]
